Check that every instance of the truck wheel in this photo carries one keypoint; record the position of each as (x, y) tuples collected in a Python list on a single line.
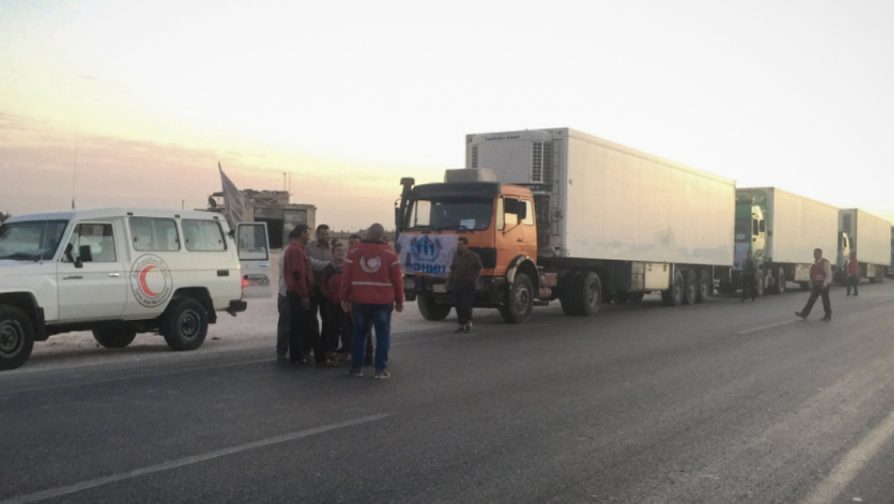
[(566, 293), (587, 293), (674, 295), (805, 286), (704, 286), (185, 324), (519, 300), (780, 281), (621, 297), (430, 309), (115, 337), (16, 337), (690, 293)]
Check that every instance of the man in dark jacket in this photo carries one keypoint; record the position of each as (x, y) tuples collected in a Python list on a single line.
[(462, 280), (749, 273)]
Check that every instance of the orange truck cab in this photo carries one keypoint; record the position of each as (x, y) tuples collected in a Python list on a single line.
[(499, 222)]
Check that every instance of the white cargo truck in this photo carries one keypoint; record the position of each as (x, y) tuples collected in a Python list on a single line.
[(569, 217), (869, 236), (781, 229)]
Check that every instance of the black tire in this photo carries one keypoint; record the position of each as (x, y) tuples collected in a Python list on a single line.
[(621, 297), (635, 297), (566, 293), (115, 337), (430, 309), (185, 324), (587, 293), (704, 286), (805, 286), (16, 337), (519, 300), (690, 292), (674, 295), (780, 281)]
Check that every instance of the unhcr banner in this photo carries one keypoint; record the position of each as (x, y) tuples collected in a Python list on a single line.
[(426, 253)]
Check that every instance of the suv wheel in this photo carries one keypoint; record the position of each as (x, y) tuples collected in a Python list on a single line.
[(115, 337), (16, 337), (185, 324)]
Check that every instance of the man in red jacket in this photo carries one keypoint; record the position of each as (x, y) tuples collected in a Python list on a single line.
[(299, 286), (372, 285)]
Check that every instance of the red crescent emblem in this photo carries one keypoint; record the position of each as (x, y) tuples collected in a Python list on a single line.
[(144, 286)]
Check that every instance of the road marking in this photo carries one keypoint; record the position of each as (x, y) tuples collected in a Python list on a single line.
[(768, 326), (174, 464), (853, 463)]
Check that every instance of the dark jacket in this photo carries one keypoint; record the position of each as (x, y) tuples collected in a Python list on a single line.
[(464, 271)]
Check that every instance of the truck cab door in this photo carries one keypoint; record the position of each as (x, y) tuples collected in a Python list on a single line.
[(91, 273), (254, 259)]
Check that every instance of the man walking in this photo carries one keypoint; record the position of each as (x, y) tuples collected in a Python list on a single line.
[(282, 305), (372, 286), (749, 272), (853, 274), (462, 280), (299, 285), (820, 281)]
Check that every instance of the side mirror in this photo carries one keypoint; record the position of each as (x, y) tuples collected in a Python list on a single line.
[(85, 254)]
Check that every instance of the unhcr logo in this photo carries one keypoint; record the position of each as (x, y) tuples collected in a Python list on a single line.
[(424, 255)]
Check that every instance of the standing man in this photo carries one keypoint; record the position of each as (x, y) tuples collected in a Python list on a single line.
[(820, 281), (462, 280), (749, 273), (372, 286), (282, 305), (320, 256), (299, 286), (853, 274)]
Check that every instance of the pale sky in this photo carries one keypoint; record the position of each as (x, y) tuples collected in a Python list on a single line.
[(134, 103)]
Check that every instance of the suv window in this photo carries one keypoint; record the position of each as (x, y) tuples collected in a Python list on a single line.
[(152, 234), (97, 238), (30, 240), (203, 235)]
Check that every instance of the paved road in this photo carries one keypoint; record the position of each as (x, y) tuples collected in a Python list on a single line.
[(721, 402)]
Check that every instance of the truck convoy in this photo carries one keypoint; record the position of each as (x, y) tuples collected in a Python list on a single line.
[(869, 236), (558, 214), (781, 230)]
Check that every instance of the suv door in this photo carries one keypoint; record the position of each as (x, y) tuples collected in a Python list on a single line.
[(91, 274), (254, 259)]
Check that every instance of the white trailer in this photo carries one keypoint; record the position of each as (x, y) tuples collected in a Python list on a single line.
[(640, 223), (867, 235), (781, 229)]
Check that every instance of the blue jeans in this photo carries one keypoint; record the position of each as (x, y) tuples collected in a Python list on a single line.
[(364, 316)]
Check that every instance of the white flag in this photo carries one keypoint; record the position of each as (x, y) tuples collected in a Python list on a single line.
[(233, 199)]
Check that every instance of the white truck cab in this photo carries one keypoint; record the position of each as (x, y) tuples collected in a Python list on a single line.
[(119, 272)]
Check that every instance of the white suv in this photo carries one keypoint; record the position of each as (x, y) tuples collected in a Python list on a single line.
[(121, 272)]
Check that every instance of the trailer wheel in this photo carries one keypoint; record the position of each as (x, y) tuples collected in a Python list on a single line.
[(690, 293), (16, 337), (115, 337), (805, 286), (704, 286), (185, 324), (566, 293), (430, 309), (587, 293), (519, 300), (674, 295)]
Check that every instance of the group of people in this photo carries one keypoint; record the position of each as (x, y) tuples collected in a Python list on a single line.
[(331, 296), (820, 281)]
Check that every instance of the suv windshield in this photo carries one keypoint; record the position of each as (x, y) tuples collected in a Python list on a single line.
[(30, 241), (450, 214)]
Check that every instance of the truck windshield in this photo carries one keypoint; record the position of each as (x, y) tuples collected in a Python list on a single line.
[(450, 214), (30, 241)]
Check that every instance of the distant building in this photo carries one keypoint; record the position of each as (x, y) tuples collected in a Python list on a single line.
[(272, 208)]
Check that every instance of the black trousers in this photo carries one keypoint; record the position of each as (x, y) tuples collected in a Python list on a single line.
[(853, 281), (465, 301), (815, 293), (748, 287), (302, 336), (337, 328)]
